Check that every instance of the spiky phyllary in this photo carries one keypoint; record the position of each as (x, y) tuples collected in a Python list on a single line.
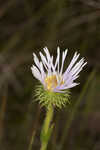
[(55, 84)]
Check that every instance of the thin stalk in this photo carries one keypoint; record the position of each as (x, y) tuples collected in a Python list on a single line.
[(74, 111), (34, 130), (32, 140), (47, 129), (89, 105)]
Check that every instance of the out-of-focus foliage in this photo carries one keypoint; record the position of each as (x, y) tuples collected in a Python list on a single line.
[(26, 26)]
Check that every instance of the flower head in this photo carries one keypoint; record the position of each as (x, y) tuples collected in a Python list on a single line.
[(51, 74)]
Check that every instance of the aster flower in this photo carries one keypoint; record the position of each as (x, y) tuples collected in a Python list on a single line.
[(55, 81)]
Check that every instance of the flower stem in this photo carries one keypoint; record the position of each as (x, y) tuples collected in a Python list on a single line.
[(46, 129), (32, 140)]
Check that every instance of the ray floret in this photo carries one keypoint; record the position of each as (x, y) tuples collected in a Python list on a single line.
[(52, 76)]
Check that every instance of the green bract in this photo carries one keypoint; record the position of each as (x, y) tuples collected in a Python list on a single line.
[(48, 98)]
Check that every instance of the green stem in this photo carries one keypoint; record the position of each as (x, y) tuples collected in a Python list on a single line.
[(47, 129), (74, 111), (32, 140), (34, 129)]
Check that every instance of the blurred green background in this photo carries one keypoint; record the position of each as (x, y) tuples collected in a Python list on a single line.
[(26, 26)]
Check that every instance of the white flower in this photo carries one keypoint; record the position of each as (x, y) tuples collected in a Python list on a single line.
[(51, 75)]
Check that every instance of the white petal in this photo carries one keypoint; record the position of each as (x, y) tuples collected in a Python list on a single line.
[(52, 66), (63, 59), (58, 91), (72, 85), (36, 60), (71, 80), (74, 59), (47, 53), (77, 66), (43, 75), (36, 73), (49, 60), (69, 86), (44, 60), (57, 59), (76, 72)]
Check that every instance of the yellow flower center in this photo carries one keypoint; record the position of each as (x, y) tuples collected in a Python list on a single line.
[(51, 82)]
